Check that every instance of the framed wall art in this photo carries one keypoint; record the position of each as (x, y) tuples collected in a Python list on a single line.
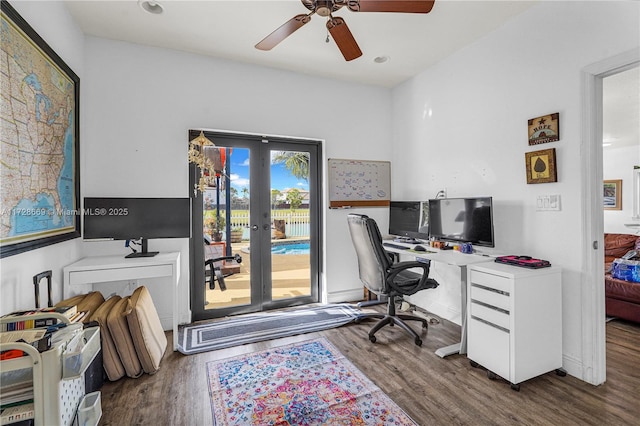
[(612, 195), (541, 166), (544, 129), (39, 159)]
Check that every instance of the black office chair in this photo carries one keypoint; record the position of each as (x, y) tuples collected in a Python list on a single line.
[(381, 276)]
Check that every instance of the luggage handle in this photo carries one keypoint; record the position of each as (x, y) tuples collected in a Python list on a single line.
[(36, 283)]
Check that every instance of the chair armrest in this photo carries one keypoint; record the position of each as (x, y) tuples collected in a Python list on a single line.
[(210, 262), (401, 266), (425, 281)]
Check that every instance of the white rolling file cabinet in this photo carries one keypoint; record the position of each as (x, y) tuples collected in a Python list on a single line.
[(515, 321)]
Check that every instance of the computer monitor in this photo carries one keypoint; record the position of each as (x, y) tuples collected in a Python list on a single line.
[(409, 220), (136, 218), (462, 220)]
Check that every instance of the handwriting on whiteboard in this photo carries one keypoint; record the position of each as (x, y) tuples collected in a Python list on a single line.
[(356, 180)]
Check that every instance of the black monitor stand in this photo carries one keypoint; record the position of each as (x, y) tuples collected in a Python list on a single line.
[(144, 252)]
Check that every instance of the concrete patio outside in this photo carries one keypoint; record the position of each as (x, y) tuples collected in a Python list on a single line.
[(290, 278)]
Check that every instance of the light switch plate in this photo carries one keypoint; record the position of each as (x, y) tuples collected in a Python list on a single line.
[(548, 203)]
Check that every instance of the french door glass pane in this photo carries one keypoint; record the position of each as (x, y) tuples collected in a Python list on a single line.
[(290, 249), (225, 213)]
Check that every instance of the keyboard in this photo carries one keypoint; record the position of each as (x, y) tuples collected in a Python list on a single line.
[(396, 246)]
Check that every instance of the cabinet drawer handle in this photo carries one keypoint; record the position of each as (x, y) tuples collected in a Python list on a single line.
[(494, 290), (489, 324), (486, 305)]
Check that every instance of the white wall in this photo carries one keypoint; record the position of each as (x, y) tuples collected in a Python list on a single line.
[(618, 164), (137, 106), (143, 100), (52, 22), (462, 124)]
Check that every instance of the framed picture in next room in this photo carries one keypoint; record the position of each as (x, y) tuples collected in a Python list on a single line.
[(541, 166), (612, 195)]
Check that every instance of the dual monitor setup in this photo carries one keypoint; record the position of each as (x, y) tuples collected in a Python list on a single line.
[(468, 220), (132, 219), (458, 220)]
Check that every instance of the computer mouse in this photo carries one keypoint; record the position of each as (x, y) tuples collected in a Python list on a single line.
[(419, 248)]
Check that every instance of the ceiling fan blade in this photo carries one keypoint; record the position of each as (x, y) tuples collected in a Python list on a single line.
[(285, 30), (343, 38), (410, 6)]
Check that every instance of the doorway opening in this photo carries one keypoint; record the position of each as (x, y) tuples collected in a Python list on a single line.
[(593, 361), (259, 208)]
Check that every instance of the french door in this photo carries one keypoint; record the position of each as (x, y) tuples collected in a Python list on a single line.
[(262, 202)]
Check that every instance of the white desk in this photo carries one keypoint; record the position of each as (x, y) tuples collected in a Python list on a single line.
[(455, 258), (102, 269)]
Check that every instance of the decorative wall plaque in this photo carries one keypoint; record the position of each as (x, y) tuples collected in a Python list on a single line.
[(544, 129), (541, 166)]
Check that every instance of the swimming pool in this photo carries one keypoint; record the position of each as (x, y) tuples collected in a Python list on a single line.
[(290, 248), (285, 247)]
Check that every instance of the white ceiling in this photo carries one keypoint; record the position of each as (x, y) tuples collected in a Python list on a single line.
[(413, 42), (621, 110), (230, 29)]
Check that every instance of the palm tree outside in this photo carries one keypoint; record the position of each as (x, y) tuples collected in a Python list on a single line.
[(296, 162)]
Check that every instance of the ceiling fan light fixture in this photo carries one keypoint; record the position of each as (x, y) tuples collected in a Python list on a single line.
[(381, 59), (150, 6)]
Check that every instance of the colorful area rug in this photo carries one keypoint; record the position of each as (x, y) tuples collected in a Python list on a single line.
[(306, 383), (243, 329)]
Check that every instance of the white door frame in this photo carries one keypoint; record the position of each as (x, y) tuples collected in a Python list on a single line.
[(593, 307)]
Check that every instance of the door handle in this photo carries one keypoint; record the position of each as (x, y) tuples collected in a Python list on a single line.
[(254, 228)]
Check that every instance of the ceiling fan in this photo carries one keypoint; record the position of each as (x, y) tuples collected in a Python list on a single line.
[(337, 26)]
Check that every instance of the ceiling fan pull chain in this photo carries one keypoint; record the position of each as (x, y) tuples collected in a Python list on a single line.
[(327, 39)]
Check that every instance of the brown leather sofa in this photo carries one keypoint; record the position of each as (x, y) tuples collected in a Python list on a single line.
[(622, 298)]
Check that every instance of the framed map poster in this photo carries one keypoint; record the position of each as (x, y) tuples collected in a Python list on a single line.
[(39, 155), (357, 183)]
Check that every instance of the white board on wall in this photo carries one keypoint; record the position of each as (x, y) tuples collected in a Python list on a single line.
[(359, 183)]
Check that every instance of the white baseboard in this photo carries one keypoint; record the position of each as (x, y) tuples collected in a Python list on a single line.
[(167, 322), (345, 296), (439, 309), (573, 366)]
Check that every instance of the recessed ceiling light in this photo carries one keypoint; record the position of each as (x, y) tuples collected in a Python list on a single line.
[(380, 59), (151, 6)]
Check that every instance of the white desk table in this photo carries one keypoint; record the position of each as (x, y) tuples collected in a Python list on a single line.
[(455, 258), (102, 269)]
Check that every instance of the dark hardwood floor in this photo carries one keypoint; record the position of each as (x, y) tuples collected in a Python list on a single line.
[(433, 391)]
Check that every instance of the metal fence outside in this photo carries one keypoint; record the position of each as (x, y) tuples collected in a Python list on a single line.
[(297, 224)]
